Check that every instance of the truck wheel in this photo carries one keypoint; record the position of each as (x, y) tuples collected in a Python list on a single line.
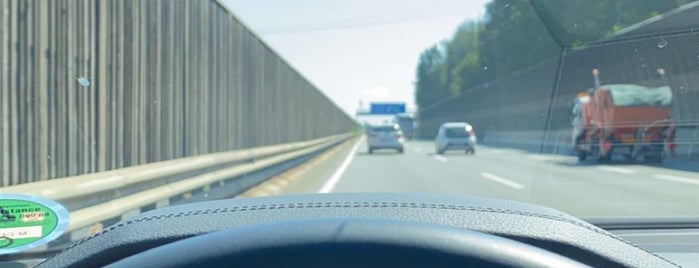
[(371, 150), (400, 150), (582, 156)]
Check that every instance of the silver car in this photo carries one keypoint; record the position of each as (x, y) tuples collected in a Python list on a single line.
[(387, 136), (455, 136)]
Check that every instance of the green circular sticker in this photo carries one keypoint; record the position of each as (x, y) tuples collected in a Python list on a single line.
[(28, 221)]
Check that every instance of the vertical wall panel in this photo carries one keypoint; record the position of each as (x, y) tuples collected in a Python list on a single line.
[(167, 79), (5, 118)]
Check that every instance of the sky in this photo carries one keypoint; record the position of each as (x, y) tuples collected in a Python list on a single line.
[(356, 51)]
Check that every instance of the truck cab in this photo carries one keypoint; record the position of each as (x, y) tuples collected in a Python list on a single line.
[(578, 112)]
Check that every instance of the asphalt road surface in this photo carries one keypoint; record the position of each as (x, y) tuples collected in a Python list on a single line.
[(626, 189)]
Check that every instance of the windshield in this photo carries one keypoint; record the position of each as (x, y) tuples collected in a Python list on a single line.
[(404, 119), (456, 132), (383, 129), (109, 109), (633, 95)]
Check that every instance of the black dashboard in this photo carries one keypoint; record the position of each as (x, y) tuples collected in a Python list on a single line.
[(390, 218), (677, 244)]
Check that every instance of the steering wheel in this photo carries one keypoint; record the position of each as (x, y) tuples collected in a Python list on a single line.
[(346, 243)]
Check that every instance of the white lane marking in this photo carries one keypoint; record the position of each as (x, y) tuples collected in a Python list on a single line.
[(440, 158), (502, 180), (676, 179), (330, 184), (617, 169), (539, 157)]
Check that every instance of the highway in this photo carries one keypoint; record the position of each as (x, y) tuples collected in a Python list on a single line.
[(558, 181)]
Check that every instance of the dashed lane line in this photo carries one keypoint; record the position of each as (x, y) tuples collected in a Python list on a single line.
[(501, 180), (616, 169), (676, 179), (440, 158)]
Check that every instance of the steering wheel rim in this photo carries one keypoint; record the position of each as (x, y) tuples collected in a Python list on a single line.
[(346, 243)]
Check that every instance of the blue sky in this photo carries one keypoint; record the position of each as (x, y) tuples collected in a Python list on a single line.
[(356, 50)]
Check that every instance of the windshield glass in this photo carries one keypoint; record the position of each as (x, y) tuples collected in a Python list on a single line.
[(109, 109), (383, 129), (633, 95), (456, 132)]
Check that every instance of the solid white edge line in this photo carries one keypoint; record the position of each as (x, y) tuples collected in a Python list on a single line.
[(330, 184), (501, 180)]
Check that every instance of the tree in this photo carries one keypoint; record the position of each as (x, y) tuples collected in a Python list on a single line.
[(431, 70), (463, 59), (514, 37), (515, 34), (575, 23)]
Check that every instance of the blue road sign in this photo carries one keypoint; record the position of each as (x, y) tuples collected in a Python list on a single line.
[(387, 108)]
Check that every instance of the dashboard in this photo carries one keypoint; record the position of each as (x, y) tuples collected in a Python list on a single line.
[(679, 245), (379, 230), (376, 229)]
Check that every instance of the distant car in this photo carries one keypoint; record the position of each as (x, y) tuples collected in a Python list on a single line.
[(456, 136), (385, 136)]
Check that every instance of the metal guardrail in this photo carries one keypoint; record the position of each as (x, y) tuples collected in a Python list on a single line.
[(95, 198)]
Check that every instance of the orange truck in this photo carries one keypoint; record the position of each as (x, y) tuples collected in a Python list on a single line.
[(623, 119)]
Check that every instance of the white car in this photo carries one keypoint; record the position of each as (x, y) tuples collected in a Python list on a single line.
[(455, 136), (387, 136)]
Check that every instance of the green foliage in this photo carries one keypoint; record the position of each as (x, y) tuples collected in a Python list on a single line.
[(586, 21), (430, 85), (463, 59), (515, 34)]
